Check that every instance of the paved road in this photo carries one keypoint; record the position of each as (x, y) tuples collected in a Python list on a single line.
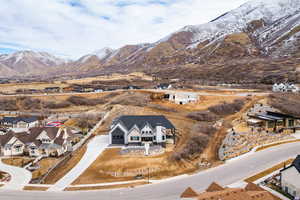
[(226, 174), (19, 177), (94, 148)]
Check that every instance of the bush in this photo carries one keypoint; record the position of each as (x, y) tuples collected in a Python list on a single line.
[(8, 104), (204, 128), (225, 109), (287, 103), (28, 103), (82, 101), (53, 105), (132, 99), (203, 116), (195, 145)]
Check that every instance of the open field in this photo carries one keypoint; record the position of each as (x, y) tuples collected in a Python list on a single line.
[(12, 87)]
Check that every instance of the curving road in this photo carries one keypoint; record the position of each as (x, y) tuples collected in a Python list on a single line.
[(226, 174), (19, 177)]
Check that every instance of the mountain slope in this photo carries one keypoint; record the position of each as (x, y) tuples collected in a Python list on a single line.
[(28, 63)]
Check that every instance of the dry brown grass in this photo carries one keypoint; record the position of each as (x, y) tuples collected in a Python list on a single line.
[(34, 188), (59, 172), (268, 171), (17, 161), (276, 144), (45, 164), (111, 161), (131, 185)]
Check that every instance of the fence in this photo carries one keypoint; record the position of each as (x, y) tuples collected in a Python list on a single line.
[(143, 171), (76, 146)]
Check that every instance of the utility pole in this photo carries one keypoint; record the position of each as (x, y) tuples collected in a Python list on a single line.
[(148, 175)]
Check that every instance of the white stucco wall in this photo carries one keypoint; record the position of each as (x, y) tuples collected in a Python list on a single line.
[(290, 179)]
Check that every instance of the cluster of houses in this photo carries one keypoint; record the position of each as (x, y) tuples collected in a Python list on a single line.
[(138, 130), (25, 136), (285, 87), (182, 97)]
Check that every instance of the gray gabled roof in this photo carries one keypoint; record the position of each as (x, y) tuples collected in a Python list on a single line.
[(296, 163), (14, 120), (141, 120)]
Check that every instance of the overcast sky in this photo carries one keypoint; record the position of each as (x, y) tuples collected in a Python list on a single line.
[(76, 27)]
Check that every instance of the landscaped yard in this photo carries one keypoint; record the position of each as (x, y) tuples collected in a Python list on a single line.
[(17, 161), (111, 161)]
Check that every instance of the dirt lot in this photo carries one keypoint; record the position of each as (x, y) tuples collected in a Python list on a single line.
[(111, 161)]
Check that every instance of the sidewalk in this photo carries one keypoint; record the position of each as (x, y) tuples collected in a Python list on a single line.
[(94, 148), (19, 177)]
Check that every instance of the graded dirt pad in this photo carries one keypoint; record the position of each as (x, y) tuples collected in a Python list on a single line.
[(60, 171), (111, 161), (34, 188), (130, 185)]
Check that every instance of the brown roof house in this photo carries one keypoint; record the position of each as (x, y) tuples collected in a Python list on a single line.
[(216, 192), (37, 141)]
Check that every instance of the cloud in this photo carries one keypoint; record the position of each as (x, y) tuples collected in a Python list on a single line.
[(76, 27)]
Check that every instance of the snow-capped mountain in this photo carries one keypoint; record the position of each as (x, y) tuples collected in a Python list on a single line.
[(257, 32), (28, 62)]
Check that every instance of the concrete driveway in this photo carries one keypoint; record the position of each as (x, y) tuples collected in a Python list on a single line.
[(19, 177), (94, 148)]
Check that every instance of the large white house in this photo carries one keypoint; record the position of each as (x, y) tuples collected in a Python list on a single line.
[(137, 130), (285, 87), (37, 141), (290, 178), (183, 97)]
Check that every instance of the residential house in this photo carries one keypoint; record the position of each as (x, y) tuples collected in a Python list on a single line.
[(38, 141), (290, 178), (274, 121), (285, 87), (217, 192), (138, 130), (183, 97), (52, 89), (163, 86), (19, 122)]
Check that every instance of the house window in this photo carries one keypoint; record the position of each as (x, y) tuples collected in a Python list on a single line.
[(154, 137), (135, 138), (150, 132), (163, 137), (291, 123)]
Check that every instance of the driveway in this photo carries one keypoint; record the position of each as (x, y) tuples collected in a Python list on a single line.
[(19, 177), (94, 148)]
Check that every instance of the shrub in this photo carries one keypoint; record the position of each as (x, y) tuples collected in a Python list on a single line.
[(82, 101), (53, 105), (195, 145), (203, 116), (224, 108), (8, 104), (28, 103), (203, 127), (287, 103), (132, 99)]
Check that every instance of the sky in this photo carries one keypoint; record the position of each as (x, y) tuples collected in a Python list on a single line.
[(73, 28)]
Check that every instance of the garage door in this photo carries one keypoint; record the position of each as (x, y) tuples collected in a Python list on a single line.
[(118, 136)]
